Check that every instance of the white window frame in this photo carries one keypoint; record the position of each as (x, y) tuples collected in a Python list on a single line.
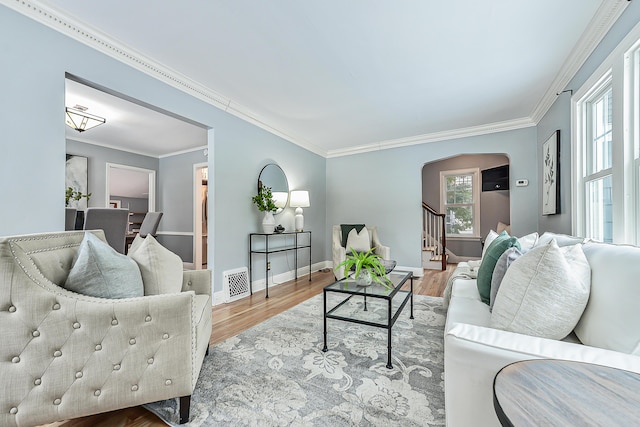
[(622, 70), (475, 172)]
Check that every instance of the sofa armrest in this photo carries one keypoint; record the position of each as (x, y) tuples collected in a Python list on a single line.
[(383, 251), (198, 281), (475, 354)]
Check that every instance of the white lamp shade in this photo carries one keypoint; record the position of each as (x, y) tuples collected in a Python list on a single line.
[(299, 199)]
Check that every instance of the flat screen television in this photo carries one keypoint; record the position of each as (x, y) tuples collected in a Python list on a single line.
[(495, 179)]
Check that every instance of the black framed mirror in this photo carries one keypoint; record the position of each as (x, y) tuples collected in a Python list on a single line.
[(273, 176)]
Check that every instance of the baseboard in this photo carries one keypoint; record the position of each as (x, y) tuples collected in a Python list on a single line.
[(277, 279)]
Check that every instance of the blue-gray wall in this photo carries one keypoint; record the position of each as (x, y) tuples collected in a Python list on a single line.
[(559, 117), (35, 59), (384, 188)]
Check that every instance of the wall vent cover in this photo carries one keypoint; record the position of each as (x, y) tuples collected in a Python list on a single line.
[(236, 284)]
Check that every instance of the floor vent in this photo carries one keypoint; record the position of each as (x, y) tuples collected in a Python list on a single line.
[(236, 284)]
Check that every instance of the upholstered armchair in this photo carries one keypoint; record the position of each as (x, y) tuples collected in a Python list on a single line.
[(65, 355), (340, 251)]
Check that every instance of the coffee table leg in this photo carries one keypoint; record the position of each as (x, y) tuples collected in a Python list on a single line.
[(389, 365), (325, 321)]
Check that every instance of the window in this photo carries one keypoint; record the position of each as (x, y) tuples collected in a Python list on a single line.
[(460, 201), (606, 148)]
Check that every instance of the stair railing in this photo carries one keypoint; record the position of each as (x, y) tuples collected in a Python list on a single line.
[(435, 235)]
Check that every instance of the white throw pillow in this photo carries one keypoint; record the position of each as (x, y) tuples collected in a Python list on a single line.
[(612, 318), (359, 242), (161, 269), (527, 242), (561, 239), (544, 292), (487, 241)]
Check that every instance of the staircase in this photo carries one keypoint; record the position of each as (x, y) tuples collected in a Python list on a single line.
[(434, 239)]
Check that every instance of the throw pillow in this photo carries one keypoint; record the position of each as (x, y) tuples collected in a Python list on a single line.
[(488, 240), (503, 263), (346, 229), (99, 271), (561, 239), (161, 269), (527, 242), (503, 227), (358, 241), (544, 292), (485, 272)]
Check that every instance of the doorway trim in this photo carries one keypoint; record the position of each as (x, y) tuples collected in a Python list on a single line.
[(152, 183), (197, 214)]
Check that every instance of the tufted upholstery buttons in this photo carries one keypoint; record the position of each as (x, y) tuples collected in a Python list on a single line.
[(189, 283), (150, 360), (114, 322), (134, 387), (168, 382), (165, 336), (76, 325), (37, 381), (79, 374), (132, 341), (57, 401), (56, 306), (57, 353), (97, 393), (116, 367), (15, 359), (98, 347), (147, 319), (13, 410), (35, 333), (12, 309)]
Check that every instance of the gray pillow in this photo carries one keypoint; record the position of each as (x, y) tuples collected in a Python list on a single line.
[(499, 271), (99, 271), (544, 292)]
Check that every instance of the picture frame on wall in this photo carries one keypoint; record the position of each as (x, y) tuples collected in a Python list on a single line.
[(76, 178), (551, 175)]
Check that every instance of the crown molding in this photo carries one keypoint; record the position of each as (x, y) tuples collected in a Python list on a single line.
[(94, 38), (607, 14), (508, 125)]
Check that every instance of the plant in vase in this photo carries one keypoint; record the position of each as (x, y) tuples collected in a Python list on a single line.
[(367, 268), (72, 194), (265, 203)]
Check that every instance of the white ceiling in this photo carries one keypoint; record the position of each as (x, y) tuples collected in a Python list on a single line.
[(333, 75)]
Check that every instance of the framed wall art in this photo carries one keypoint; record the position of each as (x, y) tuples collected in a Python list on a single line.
[(551, 175)]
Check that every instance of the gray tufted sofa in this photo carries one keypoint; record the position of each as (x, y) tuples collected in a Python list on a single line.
[(64, 355)]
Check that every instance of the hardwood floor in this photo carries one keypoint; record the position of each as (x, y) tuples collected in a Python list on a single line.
[(233, 318)]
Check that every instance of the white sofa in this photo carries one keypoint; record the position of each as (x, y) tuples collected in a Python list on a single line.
[(475, 352)]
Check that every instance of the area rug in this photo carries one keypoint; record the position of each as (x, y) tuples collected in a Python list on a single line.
[(276, 374)]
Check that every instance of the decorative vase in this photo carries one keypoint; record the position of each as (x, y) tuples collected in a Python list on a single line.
[(364, 278), (268, 222)]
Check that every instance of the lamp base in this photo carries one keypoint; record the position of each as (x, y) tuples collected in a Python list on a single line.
[(299, 220)]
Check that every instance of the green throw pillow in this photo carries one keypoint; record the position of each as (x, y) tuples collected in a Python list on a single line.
[(491, 256), (99, 271)]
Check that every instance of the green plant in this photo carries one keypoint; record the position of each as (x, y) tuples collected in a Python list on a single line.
[(72, 194), (369, 261), (264, 199)]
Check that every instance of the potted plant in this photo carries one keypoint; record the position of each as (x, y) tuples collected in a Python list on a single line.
[(72, 194), (265, 203), (367, 267)]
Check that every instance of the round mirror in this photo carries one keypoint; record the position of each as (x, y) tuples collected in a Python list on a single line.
[(273, 177)]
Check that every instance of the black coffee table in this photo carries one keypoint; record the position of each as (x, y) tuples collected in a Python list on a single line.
[(391, 296)]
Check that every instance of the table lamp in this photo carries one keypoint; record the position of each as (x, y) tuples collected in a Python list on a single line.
[(299, 199)]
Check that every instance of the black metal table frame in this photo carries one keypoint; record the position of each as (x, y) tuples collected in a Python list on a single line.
[(266, 253), (391, 319)]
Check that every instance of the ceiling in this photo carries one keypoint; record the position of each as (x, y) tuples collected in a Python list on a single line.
[(333, 75)]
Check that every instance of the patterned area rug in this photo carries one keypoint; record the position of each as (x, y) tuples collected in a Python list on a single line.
[(276, 373)]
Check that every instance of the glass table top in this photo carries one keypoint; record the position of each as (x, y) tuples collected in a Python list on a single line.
[(395, 281)]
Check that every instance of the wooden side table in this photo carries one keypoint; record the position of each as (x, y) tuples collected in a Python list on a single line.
[(564, 393)]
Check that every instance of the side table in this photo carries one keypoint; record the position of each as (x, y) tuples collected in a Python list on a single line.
[(549, 392)]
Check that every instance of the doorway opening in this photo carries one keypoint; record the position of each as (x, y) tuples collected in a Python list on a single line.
[(201, 215)]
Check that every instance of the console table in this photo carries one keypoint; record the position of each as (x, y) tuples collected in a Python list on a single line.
[(282, 246)]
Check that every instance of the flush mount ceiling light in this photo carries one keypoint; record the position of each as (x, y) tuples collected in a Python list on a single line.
[(78, 119)]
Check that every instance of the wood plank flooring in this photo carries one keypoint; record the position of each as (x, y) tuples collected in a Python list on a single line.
[(231, 319)]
